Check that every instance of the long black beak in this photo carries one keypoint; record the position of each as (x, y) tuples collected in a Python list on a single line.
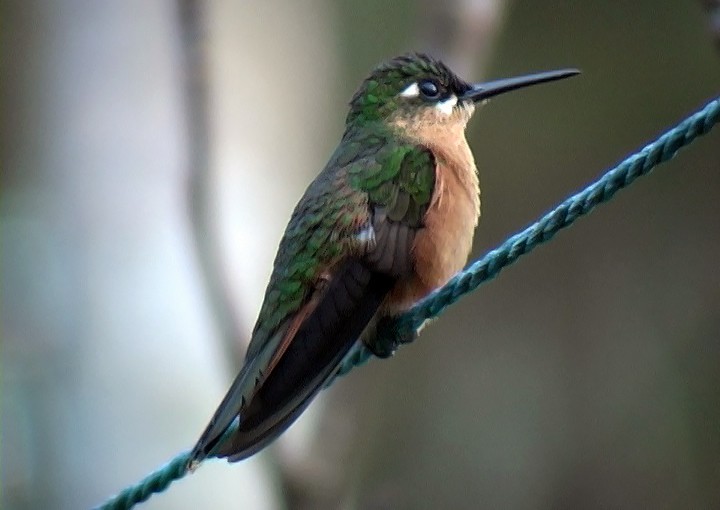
[(481, 91)]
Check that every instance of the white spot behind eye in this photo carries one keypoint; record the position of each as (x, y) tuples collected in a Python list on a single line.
[(447, 106), (411, 90)]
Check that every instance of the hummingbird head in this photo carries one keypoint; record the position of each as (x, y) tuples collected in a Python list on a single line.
[(416, 91)]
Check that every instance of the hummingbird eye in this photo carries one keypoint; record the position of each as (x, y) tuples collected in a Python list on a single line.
[(429, 89)]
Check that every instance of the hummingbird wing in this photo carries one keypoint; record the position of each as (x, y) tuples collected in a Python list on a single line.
[(348, 241)]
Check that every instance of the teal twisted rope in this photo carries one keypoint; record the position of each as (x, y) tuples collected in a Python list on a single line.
[(155, 482), (404, 328)]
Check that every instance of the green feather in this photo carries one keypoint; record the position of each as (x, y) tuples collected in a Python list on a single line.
[(372, 167)]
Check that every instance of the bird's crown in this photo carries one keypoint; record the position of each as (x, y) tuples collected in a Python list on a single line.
[(413, 80)]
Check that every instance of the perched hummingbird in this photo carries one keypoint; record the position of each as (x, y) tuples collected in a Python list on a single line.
[(389, 219)]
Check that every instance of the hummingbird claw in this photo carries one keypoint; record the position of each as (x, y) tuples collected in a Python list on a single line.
[(388, 338)]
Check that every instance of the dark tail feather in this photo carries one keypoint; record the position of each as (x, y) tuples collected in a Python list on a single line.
[(351, 299)]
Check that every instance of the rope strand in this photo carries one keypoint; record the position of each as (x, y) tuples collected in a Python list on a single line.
[(405, 327)]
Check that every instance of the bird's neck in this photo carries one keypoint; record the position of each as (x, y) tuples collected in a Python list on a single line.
[(448, 144)]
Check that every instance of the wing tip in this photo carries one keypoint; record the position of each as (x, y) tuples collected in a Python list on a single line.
[(193, 464), (209, 443), (197, 455)]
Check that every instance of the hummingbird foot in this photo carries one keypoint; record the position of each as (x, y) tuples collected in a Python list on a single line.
[(388, 337)]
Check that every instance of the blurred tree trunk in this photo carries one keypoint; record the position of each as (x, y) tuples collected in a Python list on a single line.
[(712, 8), (110, 363)]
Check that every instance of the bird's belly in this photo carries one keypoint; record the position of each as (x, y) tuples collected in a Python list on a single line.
[(442, 246)]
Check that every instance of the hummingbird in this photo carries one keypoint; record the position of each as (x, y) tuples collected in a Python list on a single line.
[(389, 219)]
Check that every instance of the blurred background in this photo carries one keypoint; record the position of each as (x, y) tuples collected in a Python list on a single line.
[(151, 155)]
